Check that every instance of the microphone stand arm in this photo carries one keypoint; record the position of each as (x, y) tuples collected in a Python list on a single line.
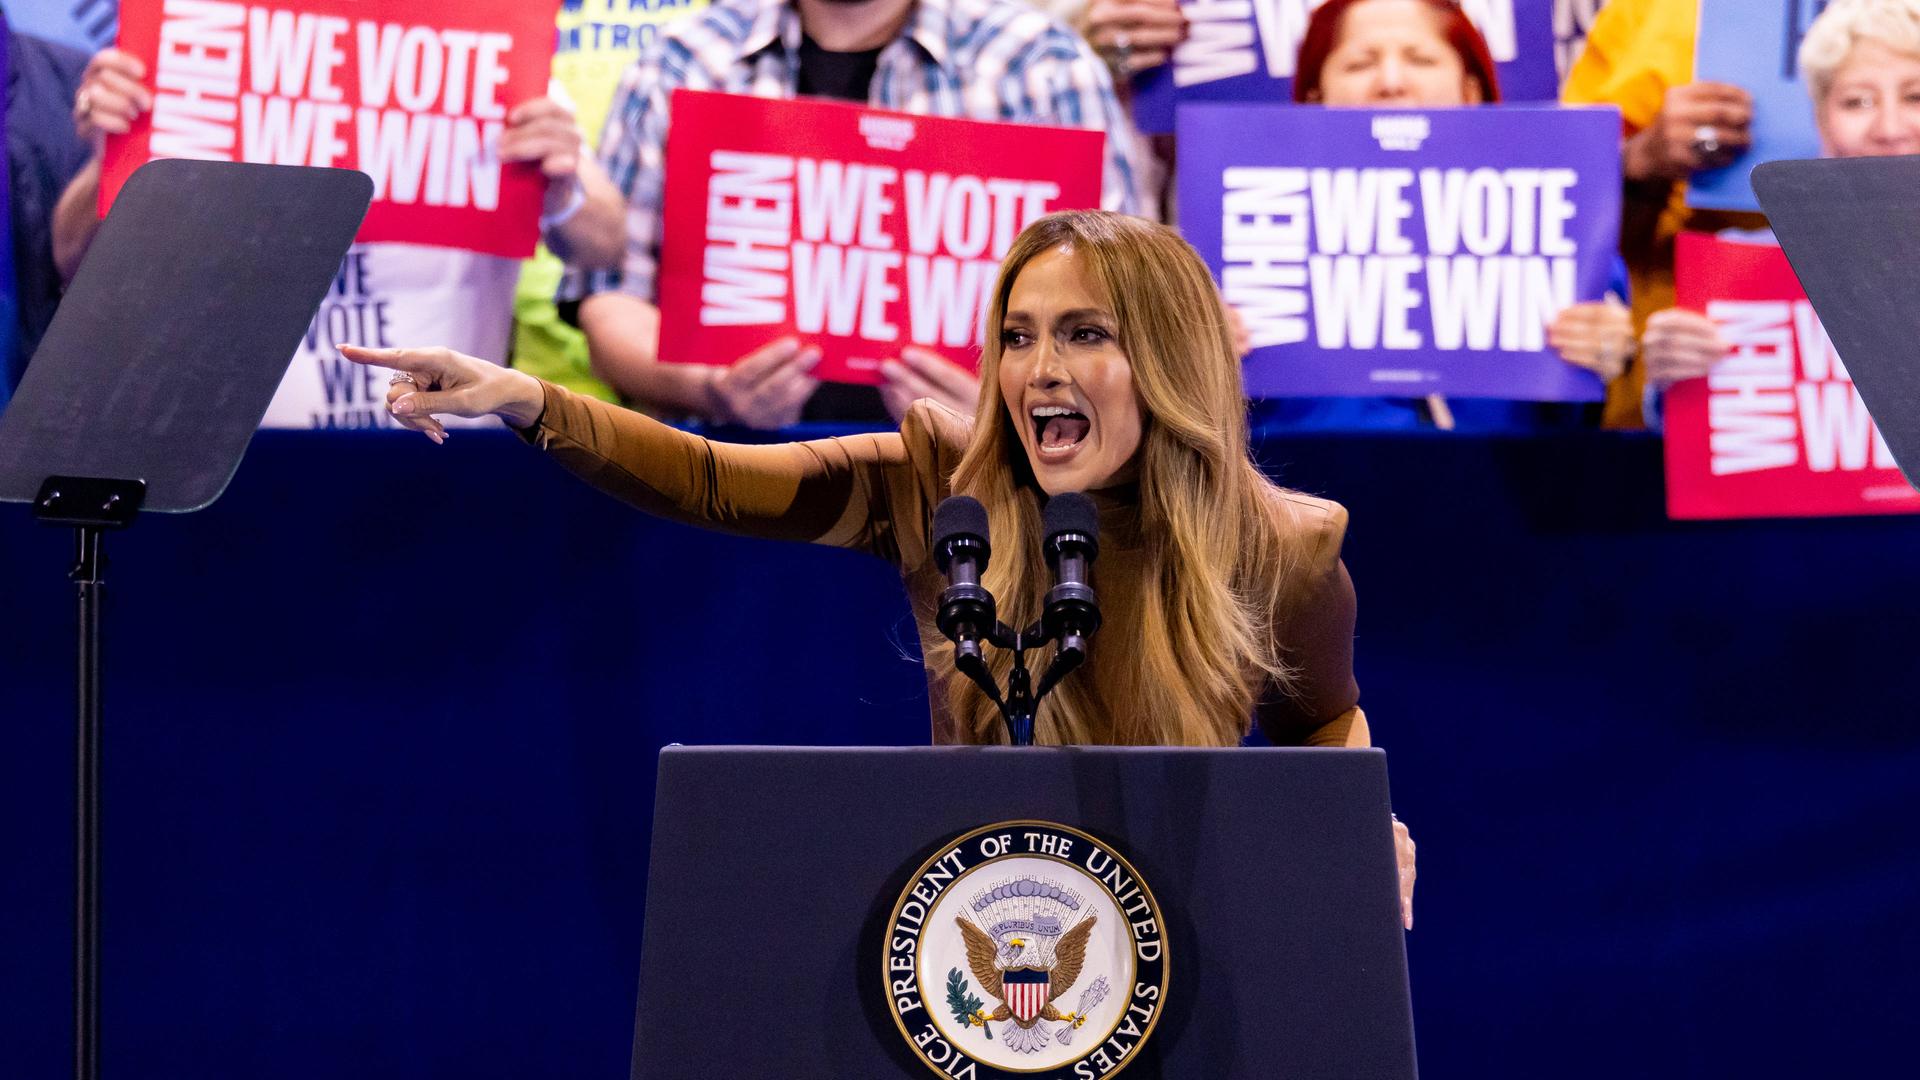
[(1072, 615), (968, 660), (1022, 703), (1071, 653)]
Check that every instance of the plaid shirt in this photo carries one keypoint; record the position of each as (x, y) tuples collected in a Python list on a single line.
[(975, 59)]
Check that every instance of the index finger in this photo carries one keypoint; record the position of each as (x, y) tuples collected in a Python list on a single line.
[(420, 361)]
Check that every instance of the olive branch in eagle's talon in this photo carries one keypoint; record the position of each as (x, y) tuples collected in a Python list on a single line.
[(966, 1007)]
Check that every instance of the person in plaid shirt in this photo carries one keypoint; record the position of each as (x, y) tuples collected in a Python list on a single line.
[(976, 59)]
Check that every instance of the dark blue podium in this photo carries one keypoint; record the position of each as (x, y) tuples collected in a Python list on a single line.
[(779, 875)]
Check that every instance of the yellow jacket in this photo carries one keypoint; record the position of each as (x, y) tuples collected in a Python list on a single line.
[(1636, 51)]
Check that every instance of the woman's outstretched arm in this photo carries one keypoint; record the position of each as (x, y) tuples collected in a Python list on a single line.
[(834, 491)]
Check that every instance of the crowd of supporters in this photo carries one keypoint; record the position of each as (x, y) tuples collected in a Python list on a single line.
[(596, 325)]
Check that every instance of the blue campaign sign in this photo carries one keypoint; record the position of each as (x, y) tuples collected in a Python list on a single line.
[(1399, 253), (1244, 50), (1755, 44), (87, 25)]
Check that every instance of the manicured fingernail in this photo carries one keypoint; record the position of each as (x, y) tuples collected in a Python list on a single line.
[(403, 406)]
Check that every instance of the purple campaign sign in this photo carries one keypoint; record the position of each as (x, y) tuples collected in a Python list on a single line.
[(1243, 50), (1399, 253)]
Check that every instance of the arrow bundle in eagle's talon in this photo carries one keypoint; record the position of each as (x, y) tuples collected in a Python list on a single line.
[(1090, 998)]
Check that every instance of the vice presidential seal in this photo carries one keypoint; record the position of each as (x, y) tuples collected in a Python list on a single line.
[(1026, 949)]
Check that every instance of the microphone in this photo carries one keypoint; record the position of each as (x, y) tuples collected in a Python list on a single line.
[(967, 613), (1072, 612)]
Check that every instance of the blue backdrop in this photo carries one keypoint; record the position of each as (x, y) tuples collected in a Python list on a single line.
[(381, 728)]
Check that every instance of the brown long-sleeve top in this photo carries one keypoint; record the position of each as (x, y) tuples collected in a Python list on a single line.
[(877, 493)]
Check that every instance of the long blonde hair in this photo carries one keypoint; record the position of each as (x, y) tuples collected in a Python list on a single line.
[(1210, 524)]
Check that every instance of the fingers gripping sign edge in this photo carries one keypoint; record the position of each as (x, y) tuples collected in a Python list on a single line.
[(1404, 860)]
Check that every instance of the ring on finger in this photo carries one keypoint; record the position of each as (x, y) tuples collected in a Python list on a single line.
[(1706, 140), (399, 377), (1119, 55)]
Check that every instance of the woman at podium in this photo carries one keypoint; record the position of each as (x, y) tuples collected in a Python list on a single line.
[(1109, 369)]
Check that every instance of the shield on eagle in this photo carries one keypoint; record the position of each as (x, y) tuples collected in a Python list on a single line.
[(1026, 991)]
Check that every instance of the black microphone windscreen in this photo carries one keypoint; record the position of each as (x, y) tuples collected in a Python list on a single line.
[(1070, 512), (960, 515)]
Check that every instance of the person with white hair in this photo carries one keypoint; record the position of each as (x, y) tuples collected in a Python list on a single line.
[(1861, 63)]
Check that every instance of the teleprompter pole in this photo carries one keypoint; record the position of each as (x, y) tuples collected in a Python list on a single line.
[(88, 574), (91, 506)]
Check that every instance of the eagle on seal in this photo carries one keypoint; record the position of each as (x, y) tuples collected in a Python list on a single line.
[(1027, 976)]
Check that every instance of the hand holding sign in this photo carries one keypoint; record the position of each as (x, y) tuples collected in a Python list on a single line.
[(1680, 344), (1404, 852), (922, 373), (1753, 45), (544, 131), (1595, 336), (767, 388), (1135, 35), (1701, 125), (112, 95)]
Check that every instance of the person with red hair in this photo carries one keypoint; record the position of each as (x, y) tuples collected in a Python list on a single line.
[(1393, 52), (1426, 54)]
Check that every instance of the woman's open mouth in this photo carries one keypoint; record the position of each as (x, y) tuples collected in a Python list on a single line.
[(1058, 430)]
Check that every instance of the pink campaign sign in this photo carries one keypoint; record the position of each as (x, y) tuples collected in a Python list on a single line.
[(856, 230), (413, 93), (1777, 430)]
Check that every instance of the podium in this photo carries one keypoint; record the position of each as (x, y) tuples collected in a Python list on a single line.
[(803, 913)]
